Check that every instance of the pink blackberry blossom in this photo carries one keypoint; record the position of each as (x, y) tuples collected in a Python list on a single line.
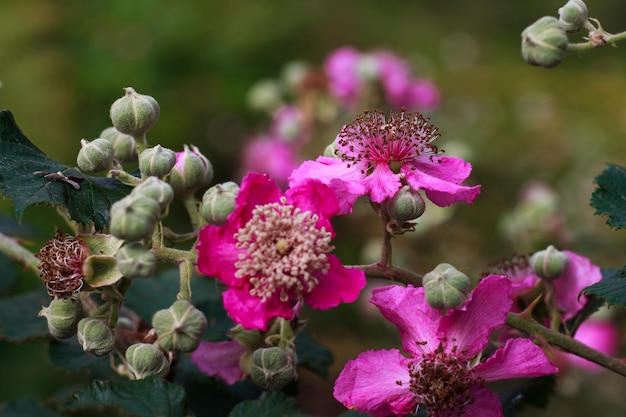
[(271, 156), (376, 155), (341, 68), (601, 335), (288, 124), (274, 251), (443, 372), (220, 359)]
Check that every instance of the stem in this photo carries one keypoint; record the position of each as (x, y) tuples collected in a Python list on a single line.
[(186, 270), (117, 294), (587, 46), (18, 253), (566, 343), (142, 143), (175, 255), (192, 209), (386, 250), (176, 238), (391, 273)]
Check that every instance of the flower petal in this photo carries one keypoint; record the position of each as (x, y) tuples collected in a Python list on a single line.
[(518, 358), (217, 253), (580, 273), (382, 183), (256, 190), (407, 309), (221, 359), (249, 311), (469, 328), (376, 382), (486, 404), (314, 196), (338, 285)]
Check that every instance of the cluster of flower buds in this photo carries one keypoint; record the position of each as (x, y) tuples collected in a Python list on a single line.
[(446, 287)]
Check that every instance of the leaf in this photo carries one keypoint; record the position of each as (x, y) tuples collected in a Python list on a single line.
[(20, 159), (144, 398), (9, 274), (18, 316), (612, 288), (68, 354), (26, 408), (535, 392), (609, 198), (312, 355), (269, 404)]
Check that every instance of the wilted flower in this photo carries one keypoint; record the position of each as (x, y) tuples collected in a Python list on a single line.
[(61, 265)]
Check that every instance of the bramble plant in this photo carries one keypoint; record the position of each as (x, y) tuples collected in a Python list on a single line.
[(210, 320)]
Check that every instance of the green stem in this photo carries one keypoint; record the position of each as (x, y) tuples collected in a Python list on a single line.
[(192, 209), (566, 343), (186, 270), (118, 294), (176, 238), (142, 143), (609, 39), (18, 253), (175, 255), (391, 273)]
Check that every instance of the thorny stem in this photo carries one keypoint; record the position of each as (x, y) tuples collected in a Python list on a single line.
[(192, 209), (18, 253), (608, 39), (186, 270), (386, 251), (175, 255), (391, 273)]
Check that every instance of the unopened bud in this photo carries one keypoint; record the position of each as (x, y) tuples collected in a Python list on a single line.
[(544, 43), (134, 217), (406, 205), (134, 114), (135, 261), (62, 316), (124, 146), (218, 202), (156, 161), (250, 339), (95, 156), (95, 336), (273, 368), (179, 327), (191, 171), (156, 189), (144, 360), (573, 15), (446, 287), (549, 263)]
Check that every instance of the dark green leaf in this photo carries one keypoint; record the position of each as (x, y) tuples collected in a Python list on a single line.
[(9, 274), (18, 316), (612, 288), (312, 355), (26, 408), (609, 198), (20, 159), (68, 354), (144, 398), (269, 404)]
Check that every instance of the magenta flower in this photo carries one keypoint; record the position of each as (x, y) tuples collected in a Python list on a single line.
[(600, 335), (443, 373), (341, 68), (221, 359), (271, 156), (289, 125), (376, 155), (274, 251)]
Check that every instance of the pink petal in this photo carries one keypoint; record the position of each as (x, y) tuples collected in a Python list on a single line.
[(518, 358), (486, 404), (314, 196), (602, 336), (217, 253), (579, 274), (256, 190), (469, 328), (382, 183), (249, 311), (407, 309), (376, 382), (422, 94), (271, 156), (341, 69), (221, 359), (339, 285)]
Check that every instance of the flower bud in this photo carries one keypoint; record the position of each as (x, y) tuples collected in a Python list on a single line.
[(156, 162), (549, 263), (179, 327), (331, 151), (135, 261), (134, 114), (62, 316), (124, 146), (544, 43), (95, 336), (95, 156), (250, 339), (573, 15), (144, 360), (446, 287), (156, 189), (218, 202), (134, 217), (191, 171), (273, 368), (406, 205)]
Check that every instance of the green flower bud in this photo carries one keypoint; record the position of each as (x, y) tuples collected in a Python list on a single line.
[(156, 189), (124, 146), (544, 43), (156, 162), (135, 261), (95, 156), (218, 202), (550, 263), (62, 316), (134, 114), (331, 151), (95, 336), (179, 327), (191, 171), (573, 15), (406, 205), (273, 368), (251, 339), (446, 287), (144, 360), (134, 217)]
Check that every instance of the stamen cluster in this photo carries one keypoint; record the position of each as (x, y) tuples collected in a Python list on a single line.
[(61, 265)]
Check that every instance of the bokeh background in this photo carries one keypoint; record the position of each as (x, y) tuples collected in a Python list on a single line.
[(62, 64)]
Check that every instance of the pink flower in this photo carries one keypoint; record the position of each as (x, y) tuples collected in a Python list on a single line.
[(341, 68), (221, 359), (376, 155), (443, 372), (289, 125), (274, 251), (600, 335), (271, 156)]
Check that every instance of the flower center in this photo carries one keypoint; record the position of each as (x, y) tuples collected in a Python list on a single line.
[(284, 248), (60, 266), (372, 139), (442, 383)]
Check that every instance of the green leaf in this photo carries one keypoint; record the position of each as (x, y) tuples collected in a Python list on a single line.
[(18, 316), (612, 288), (609, 198), (26, 408), (9, 274), (148, 397), (68, 354), (20, 159), (269, 404), (312, 355)]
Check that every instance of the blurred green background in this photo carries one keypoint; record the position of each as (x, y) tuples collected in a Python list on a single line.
[(62, 64)]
